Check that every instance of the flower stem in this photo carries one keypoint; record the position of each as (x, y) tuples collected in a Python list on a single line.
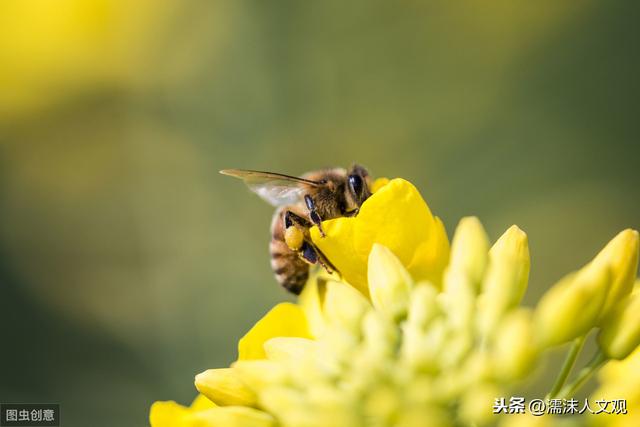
[(569, 361), (585, 373)]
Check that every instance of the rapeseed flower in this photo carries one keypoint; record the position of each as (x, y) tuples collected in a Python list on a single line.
[(415, 332)]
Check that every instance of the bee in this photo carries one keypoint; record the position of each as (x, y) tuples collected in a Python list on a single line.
[(302, 203)]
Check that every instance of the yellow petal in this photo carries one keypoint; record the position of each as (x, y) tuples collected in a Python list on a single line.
[(621, 256), (284, 320), (378, 184), (231, 416), (224, 387), (389, 282), (397, 217), (168, 414), (431, 256), (172, 414), (338, 246), (202, 402)]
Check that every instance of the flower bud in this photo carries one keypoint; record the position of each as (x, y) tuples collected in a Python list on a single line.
[(224, 387), (621, 256), (415, 416), (514, 350), (530, 420), (345, 306), (475, 407), (423, 306), (511, 254), (506, 278), (469, 250), (382, 403), (455, 349), (285, 401), (380, 335), (620, 330), (572, 306), (458, 300), (289, 349), (333, 407), (389, 282), (311, 300), (421, 347), (260, 373)]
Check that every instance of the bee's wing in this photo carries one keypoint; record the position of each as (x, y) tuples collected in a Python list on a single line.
[(277, 189)]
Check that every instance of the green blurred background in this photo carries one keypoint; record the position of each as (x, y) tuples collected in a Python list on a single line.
[(127, 264)]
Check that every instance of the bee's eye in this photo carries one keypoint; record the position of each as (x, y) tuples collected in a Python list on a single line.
[(356, 184)]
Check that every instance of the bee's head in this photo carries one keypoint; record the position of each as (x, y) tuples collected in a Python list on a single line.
[(358, 185)]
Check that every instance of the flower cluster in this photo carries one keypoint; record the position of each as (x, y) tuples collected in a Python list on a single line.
[(419, 333)]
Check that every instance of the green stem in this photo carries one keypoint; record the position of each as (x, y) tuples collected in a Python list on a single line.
[(585, 373), (569, 361)]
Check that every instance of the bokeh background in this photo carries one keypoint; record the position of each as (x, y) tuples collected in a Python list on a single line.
[(127, 264)]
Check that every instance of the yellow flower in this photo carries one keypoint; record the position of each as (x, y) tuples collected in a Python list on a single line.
[(398, 359), (410, 335), (397, 217)]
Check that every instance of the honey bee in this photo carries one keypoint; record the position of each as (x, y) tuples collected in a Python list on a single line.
[(302, 203)]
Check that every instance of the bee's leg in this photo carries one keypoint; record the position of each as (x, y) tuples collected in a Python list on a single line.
[(324, 261), (295, 229), (311, 254), (313, 213), (291, 218), (352, 213)]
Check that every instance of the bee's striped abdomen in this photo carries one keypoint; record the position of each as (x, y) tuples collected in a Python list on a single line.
[(290, 270)]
